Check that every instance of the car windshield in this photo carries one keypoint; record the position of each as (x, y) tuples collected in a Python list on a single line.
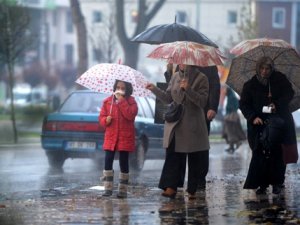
[(88, 102)]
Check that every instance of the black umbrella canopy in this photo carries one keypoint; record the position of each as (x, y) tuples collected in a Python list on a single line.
[(166, 33)]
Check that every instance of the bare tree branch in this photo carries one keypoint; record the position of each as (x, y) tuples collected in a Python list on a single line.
[(130, 48)]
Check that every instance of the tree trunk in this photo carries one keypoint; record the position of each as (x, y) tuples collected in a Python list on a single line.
[(131, 55), (10, 65), (12, 106), (131, 49), (81, 30)]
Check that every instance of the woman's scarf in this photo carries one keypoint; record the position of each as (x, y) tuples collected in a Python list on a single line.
[(263, 80)]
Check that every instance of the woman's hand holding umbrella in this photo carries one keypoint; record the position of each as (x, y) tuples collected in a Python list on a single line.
[(184, 84), (150, 86)]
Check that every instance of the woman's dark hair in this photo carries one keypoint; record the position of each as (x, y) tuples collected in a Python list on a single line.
[(128, 87), (265, 60)]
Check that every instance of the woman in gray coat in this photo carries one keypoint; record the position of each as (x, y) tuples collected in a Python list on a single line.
[(188, 136)]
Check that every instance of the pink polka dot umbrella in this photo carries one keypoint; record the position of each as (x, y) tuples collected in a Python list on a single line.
[(102, 77)]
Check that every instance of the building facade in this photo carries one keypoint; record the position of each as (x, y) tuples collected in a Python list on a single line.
[(281, 19), (219, 20)]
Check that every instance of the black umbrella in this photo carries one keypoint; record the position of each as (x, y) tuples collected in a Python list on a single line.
[(165, 33)]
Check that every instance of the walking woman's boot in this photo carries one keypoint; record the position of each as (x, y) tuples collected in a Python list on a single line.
[(108, 182), (123, 185)]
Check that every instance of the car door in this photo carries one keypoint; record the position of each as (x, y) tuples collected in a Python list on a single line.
[(145, 126)]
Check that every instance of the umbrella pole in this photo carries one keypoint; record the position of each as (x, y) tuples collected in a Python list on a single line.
[(270, 94), (112, 102)]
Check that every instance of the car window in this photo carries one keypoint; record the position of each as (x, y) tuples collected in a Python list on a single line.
[(88, 102), (151, 103), (145, 107), (141, 112)]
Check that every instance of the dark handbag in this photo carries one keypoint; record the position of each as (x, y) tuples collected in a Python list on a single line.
[(174, 112), (272, 133)]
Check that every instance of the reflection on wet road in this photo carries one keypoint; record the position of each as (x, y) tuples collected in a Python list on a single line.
[(30, 193)]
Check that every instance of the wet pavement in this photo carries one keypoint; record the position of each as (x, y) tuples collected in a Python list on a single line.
[(30, 193)]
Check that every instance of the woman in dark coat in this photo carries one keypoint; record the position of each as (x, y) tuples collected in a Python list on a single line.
[(267, 88)]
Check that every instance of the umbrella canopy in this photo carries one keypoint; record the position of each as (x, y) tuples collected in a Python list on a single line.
[(188, 53), (286, 60), (166, 33), (102, 77), (247, 45)]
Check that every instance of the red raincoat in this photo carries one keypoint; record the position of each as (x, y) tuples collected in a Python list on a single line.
[(120, 133)]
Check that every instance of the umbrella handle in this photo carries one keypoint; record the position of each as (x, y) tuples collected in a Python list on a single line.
[(111, 105), (270, 94)]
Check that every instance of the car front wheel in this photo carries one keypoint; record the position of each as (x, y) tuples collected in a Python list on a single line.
[(56, 159), (138, 158)]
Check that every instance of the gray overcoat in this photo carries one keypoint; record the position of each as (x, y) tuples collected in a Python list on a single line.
[(191, 131)]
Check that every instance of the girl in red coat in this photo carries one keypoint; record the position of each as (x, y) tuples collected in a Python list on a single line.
[(117, 117)]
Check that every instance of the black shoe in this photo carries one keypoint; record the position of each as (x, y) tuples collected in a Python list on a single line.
[(261, 191), (230, 149), (121, 195), (277, 189), (107, 193)]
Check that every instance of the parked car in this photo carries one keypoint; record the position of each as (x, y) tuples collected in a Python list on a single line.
[(296, 116), (25, 95), (73, 131)]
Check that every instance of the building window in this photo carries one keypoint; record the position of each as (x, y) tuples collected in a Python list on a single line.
[(181, 17), (278, 18), (69, 52), (54, 51), (97, 17), (54, 18), (69, 22), (232, 17)]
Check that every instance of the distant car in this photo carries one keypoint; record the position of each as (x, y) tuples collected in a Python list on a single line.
[(73, 131), (25, 95)]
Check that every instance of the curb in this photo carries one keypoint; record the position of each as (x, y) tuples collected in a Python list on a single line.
[(35, 141)]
